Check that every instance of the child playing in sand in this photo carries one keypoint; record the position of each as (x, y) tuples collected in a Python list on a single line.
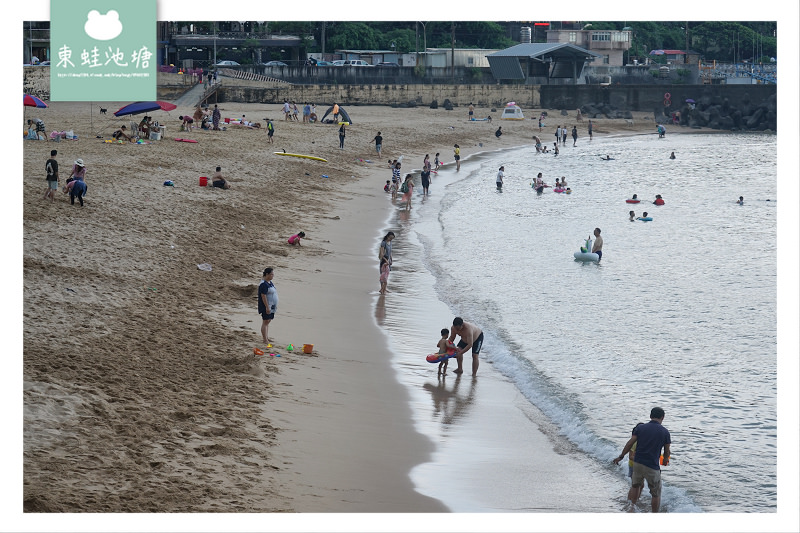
[(384, 279), (444, 347), (387, 186), (295, 239)]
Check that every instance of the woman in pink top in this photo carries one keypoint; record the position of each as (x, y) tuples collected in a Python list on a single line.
[(295, 239)]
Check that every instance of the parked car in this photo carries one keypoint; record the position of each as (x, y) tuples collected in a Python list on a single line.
[(355, 63), (388, 64), (275, 64), (227, 63), (324, 63), (337, 63)]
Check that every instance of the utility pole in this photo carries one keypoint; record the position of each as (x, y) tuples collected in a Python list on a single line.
[(686, 54), (323, 40), (453, 50)]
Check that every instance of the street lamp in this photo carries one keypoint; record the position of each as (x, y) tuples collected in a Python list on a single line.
[(424, 37)]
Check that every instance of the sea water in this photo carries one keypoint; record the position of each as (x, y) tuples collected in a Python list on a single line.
[(680, 313)]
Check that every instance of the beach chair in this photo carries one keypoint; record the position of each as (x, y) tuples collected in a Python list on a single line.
[(135, 134)]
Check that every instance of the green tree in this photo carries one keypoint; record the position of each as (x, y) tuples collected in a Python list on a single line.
[(403, 39), (352, 36)]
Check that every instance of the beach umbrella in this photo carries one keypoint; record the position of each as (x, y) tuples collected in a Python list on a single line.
[(143, 107), (137, 107), (29, 100), (166, 106), (689, 101)]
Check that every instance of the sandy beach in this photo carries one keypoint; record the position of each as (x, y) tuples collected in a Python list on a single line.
[(142, 392)]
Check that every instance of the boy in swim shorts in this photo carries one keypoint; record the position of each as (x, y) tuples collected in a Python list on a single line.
[(444, 346)]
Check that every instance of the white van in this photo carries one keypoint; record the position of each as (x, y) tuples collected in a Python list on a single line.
[(355, 63)]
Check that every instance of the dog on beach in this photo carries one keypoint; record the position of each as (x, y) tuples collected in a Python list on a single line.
[(103, 111)]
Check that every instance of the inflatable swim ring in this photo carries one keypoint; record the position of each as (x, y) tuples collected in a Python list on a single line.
[(559, 190), (586, 256), (645, 219), (631, 201)]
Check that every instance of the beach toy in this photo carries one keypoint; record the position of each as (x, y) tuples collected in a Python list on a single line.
[(307, 348), (269, 346), (325, 176), (256, 351), (169, 183), (586, 256), (632, 201), (289, 348), (203, 181), (661, 459)]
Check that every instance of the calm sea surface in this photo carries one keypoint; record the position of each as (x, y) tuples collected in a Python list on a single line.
[(681, 313)]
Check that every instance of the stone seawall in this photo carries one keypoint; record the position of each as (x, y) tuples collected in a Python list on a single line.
[(742, 107)]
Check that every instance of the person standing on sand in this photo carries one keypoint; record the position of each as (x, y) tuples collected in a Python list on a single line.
[(287, 110), (574, 135), (378, 143), (471, 337), (215, 117), (649, 438), (471, 111), (341, 137), (590, 129), (597, 247), (270, 130), (51, 167), (267, 302), (457, 156), (385, 250)]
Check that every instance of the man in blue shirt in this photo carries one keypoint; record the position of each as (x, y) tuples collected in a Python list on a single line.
[(649, 438)]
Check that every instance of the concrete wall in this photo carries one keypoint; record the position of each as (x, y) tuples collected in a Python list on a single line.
[(633, 98), (459, 95), (649, 97)]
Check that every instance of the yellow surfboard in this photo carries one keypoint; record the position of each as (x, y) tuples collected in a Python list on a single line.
[(315, 158)]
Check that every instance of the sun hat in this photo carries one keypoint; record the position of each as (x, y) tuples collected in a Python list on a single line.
[(79, 162)]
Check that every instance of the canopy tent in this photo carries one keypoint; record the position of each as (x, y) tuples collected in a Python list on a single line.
[(342, 112), (512, 112)]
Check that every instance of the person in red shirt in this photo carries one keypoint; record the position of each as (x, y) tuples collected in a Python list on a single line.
[(295, 239), (659, 200)]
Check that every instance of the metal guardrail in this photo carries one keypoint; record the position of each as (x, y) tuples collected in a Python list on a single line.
[(244, 75)]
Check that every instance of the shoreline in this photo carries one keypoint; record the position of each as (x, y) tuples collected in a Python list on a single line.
[(157, 383)]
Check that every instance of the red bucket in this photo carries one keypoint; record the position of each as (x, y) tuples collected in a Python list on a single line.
[(203, 181), (227, 121)]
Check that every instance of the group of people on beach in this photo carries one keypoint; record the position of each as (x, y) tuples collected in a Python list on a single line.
[(291, 112), (75, 184)]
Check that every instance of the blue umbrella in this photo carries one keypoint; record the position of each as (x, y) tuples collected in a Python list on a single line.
[(136, 108)]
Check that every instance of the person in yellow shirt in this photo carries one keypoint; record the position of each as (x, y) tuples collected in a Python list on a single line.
[(457, 156)]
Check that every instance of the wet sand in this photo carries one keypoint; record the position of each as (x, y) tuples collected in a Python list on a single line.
[(141, 390)]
